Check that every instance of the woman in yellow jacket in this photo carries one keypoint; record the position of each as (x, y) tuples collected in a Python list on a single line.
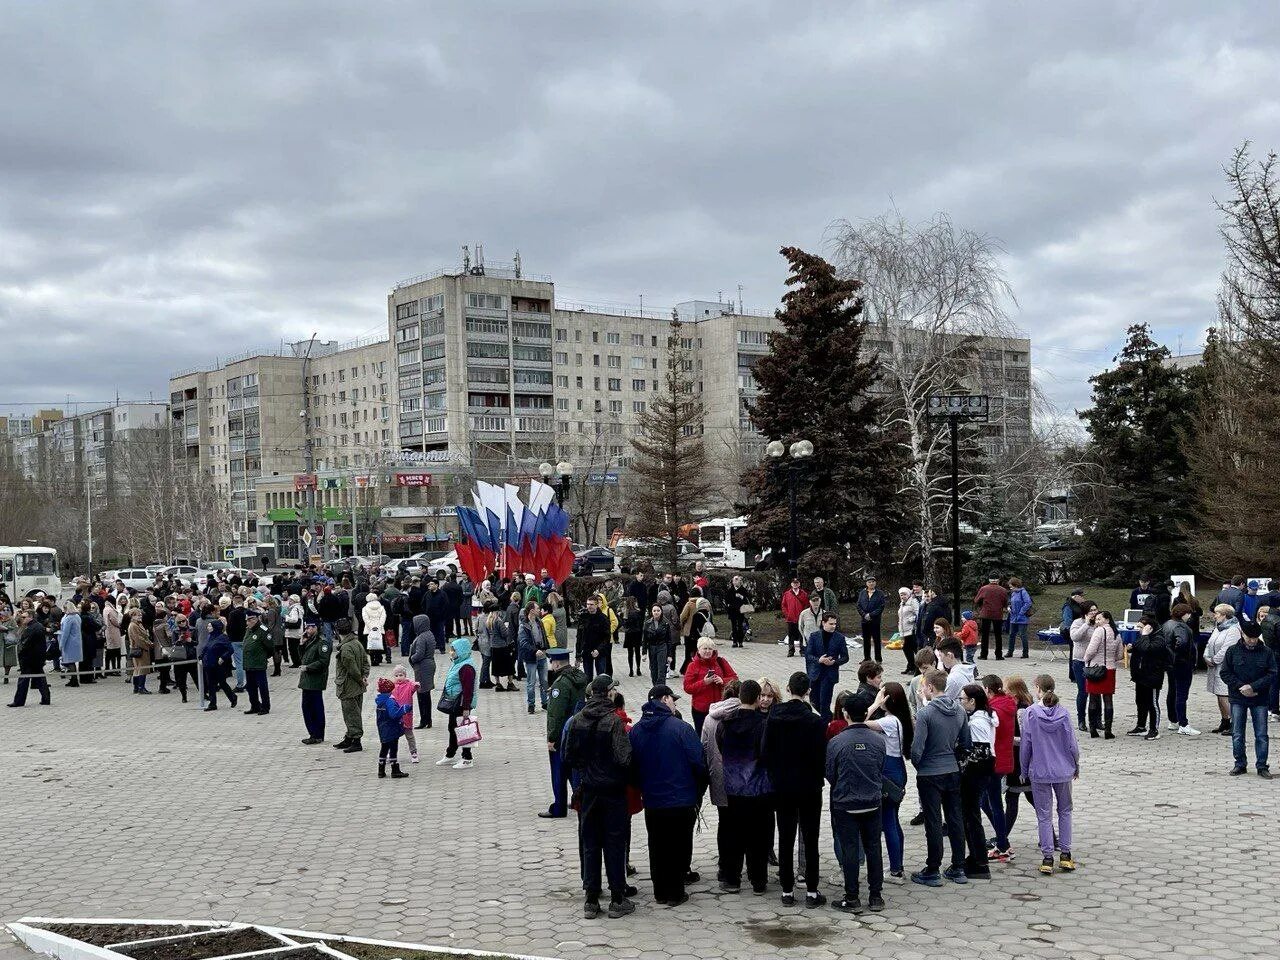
[(607, 666)]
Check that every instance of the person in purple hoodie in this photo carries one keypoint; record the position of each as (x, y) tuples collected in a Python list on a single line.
[(1051, 761)]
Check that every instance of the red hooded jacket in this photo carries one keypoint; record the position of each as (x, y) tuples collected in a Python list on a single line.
[(1006, 708)]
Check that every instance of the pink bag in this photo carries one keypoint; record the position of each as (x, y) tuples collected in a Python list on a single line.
[(468, 732)]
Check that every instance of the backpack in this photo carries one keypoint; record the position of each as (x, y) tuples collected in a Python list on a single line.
[(708, 629)]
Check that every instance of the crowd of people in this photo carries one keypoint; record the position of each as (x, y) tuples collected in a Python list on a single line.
[(763, 753)]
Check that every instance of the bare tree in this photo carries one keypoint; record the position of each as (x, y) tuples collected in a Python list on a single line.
[(932, 293)]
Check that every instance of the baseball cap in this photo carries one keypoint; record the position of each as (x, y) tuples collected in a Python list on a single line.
[(603, 683), (662, 690)]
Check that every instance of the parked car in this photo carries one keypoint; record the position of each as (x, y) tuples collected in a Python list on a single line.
[(630, 553), (594, 560), (407, 564), (184, 574), (445, 565), (135, 578)]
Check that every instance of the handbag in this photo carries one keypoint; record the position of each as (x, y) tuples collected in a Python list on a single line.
[(448, 702), (468, 732), (890, 792), (747, 608), (135, 652), (1097, 672), (977, 755)]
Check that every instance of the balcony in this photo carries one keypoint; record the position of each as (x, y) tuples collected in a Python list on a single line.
[(488, 423), (435, 425), (535, 424)]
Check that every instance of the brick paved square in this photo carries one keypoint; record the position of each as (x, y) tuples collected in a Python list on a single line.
[(116, 805)]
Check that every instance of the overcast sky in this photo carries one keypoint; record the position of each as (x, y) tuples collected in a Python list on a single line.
[(188, 181)]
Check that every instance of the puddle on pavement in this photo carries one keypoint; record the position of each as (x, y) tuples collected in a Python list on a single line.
[(784, 937)]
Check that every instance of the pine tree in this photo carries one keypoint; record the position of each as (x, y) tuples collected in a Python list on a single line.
[(818, 383), (1137, 456), (668, 481), (1002, 546)]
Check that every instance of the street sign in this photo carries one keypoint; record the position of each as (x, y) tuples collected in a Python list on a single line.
[(609, 479), (306, 539), (960, 406), (333, 538)]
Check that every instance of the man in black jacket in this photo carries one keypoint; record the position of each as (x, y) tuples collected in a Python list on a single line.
[(739, 597), (596, 747), (1249, 671), (871, 606), (32, 645), (935, 608), (593, 637), (794, 753)]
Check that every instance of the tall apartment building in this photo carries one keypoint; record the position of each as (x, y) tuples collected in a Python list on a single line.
[(483, 373)]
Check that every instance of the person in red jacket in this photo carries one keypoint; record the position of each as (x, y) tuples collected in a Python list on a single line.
[(704, 680), (794, 602), (1006, 709), (991, 600)]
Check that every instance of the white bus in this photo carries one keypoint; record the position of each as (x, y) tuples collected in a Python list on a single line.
[(25, 570), (721, 544)]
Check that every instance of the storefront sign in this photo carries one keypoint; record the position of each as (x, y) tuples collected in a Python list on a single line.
[(413, 479), (304, 481)]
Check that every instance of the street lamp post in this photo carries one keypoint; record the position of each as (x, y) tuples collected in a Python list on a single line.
[(800, 451), (559, 478), (955, 408)]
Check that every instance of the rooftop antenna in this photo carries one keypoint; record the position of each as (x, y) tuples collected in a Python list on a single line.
[(478, 269), (466, 259), (1179, 344), (517, 263), (719, 296), (642, 304), (741, 309)]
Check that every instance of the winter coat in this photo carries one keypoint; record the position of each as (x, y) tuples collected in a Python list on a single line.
[(991, 599), (404, 694), (667, 762), (741, 742), (293, 617), (593, 635), (1006, 710), (1080, 632), (352, 673), (908, 612), (936, 609), (32, 647), (566, 693), (70, 645), (1148, 659), (1224, 637), (1020, 606), (314, 672), (422, 652), (1105, 648), (374, 615), (794, 748), (793, 604), (941, 726), (533, 638), (854, 766), (1181, 643), (702, 693), (460, 681), (656, 634), (1049, 751), (720, 711), (1255, 668), (390, 717), (810, 621), (111, 616), (822, 644), (597, 748), (871, 605), (140, 640)]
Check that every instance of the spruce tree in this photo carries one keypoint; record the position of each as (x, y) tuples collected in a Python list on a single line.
[(818, 383), (1002, 545), (1138, 465)]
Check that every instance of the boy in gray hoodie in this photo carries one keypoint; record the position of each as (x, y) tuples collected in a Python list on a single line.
[(941, 726)]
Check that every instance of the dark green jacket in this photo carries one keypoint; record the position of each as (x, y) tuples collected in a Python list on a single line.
[(315, 663), (567, 692), (353, 667), (257, 648)]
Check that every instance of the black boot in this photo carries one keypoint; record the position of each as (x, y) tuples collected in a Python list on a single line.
[(382, 769), (397, 773), (353, 746), (1108, 714), (343, 743), (1095, 719)]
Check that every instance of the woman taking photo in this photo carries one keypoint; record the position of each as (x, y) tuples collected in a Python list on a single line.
[(891, 714), (1103, 652), (704, 680), (1226, 634), (1148, 661)]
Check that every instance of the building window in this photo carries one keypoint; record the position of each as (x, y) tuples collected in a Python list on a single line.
[(496, 351), (562, 358), (562, 335), (405, 310), (637, 339), (595, 359), (562, 381), (596, 383), (613, 338), (487, 374), (537, 354), (540, 377), (639, 385), (753, 338), (595, 336), (615, 362), (482, 325), (638, 406), (615, 383), (485, 301), (638, 363), (432, 375), (562, 403), (615, 406)]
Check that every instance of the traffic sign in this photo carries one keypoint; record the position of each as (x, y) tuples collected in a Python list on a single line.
[(306, 539), (333, 538)]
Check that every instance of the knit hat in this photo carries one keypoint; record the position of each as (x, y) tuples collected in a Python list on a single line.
[(1251, 629), (385, 685)]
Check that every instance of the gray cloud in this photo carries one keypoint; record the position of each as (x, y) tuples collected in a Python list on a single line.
[(183, 181)]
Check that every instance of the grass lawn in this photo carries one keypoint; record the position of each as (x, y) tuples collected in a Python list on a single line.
[(768, 625)]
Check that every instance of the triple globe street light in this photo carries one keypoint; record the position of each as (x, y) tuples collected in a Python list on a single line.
[(800, 451)]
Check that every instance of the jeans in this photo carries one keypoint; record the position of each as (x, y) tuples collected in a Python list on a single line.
[(26, 683), (859, 836), (1043, 796), (972, 785), (871, 639), (670, 831), (406, 636), (259, 695), (1017, 630), (1082, 698), (895, 769), (802, 811), (535, 675), (749, 839), (313, 713), (658, 664), (486, 680), (793, 638), (970, 654), (939, 793), (559, 785), (993, 806), (1258, 713), (237, 660), (820, 694), (1179, 689), (602, 833), (988, 626)]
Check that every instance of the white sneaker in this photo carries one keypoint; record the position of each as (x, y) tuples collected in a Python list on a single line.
[(413, 758), (1173, 725), (783, 643), (1189, 731), (445, 762), (464, 765)]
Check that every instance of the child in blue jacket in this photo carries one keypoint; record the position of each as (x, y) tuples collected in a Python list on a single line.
[(390, 716)]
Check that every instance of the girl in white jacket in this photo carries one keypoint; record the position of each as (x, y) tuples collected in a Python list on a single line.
[(375, 622)]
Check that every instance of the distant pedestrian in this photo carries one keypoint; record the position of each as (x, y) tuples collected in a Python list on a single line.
[(313, 678), (871, 606), (350, 683), (1020, 610), (390, 718), (1249, 672)]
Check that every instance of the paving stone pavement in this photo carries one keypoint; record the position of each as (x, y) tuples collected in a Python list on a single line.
[(116, 805)]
